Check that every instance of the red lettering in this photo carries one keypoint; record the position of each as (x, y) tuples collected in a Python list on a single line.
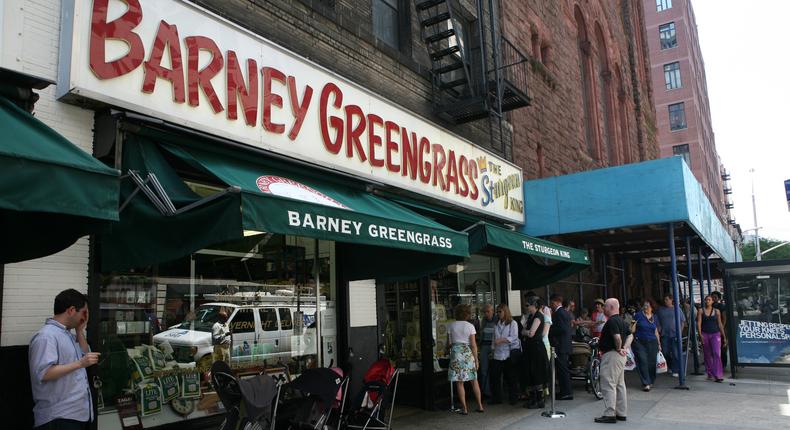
[(463, 170), (353, 133), (269, 98), (374, 140), (202, 78), (452, 171), (166, 35), (425, 166), (298, 109), (119, 29), (391, 146), (473, 193), (332, 146), (409, 152), (238, 90), (439, 160)]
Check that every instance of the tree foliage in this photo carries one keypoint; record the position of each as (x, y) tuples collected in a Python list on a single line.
[(781, 253)]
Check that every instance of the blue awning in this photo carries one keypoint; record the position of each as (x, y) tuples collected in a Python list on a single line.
[(652, 192)]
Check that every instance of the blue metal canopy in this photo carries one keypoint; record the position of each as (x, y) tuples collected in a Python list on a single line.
[(649, 193)]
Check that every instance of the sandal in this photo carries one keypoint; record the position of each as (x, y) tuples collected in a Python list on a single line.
[(480, 410), (463, 412)]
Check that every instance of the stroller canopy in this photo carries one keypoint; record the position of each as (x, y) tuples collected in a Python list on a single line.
[(258, 393), (321, 382)]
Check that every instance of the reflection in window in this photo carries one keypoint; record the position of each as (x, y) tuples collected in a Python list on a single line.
[(682, 151), (268, 319), (667, 36), (672, 75), (285, 319), (385, 21), (677, 116)]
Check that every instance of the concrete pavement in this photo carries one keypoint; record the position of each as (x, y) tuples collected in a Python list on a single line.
[(758, 399)]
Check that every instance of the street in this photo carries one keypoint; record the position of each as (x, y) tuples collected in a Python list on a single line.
[(758, 399)]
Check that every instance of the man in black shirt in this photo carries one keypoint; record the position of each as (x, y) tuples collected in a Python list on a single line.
[(560, 336), (615, 340)]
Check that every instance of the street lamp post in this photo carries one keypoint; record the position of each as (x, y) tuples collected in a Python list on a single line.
[(757, 255)]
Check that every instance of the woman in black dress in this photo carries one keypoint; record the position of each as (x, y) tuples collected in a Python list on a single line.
[(535, 352)]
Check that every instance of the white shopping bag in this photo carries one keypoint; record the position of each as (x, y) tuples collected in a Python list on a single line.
[(630, 362), (661, 363)]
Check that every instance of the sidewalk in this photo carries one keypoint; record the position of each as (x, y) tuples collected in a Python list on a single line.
[(758, 399)]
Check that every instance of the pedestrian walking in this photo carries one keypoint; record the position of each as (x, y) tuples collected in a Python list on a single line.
[(463, 356), (57, 359), (507, 355), (615, 341), (669, 336), (647, 344), (712, 329), (561, 335), (535, 359), (598, 317), (488, 327)]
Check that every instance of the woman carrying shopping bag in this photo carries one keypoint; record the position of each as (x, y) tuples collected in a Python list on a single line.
[(647, 344)]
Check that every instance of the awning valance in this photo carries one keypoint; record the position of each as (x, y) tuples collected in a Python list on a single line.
[(533, 262), (274, 197), (51, 192)]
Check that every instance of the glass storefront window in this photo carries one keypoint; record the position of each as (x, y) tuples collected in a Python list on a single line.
[(476, 283), (156, 323)]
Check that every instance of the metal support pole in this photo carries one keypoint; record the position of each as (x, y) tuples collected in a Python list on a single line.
[(317, 276), (605, 278), (581, 290), (701, 278), (553, 413), (676, 297), (692, 321), (622, 274), (707, 273)]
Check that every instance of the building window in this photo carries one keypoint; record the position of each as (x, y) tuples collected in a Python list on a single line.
[(677, 116), (663, 5), (385, 21), (666, 33), (682, 151), (672, 75)]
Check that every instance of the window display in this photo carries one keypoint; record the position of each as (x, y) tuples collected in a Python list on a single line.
[(476, 283), (159, 325)]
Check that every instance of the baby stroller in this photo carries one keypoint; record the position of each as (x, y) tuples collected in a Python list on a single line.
[(250, 404), (369, 409), (322, 391)]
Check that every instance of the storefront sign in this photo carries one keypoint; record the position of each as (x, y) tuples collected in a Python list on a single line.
[(172, 60), (763, 342)]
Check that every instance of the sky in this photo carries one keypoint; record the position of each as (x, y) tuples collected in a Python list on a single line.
[(746, 50)]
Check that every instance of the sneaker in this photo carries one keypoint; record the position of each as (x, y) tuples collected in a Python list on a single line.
[(674, 375)]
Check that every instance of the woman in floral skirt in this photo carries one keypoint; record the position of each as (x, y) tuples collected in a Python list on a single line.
[(463, 356)]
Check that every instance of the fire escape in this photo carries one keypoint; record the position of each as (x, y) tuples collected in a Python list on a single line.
[(476, 72)]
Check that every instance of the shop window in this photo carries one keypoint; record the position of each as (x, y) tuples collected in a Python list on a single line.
[(672, 75), (156, 322), (677, 116), (269, 319), (662, 5), (385, 21), (474, 282), (667, 36)]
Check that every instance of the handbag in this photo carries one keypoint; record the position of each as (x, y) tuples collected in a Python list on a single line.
[(630, 362), (661, 363)]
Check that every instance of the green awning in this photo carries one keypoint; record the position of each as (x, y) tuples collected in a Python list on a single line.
[(51, 192), (533, 262), (274, 197)]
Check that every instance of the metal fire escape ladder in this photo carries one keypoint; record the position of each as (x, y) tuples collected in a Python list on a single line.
[(442, 32)]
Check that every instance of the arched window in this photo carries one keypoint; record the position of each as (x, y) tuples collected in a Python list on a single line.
[(588, 95)]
